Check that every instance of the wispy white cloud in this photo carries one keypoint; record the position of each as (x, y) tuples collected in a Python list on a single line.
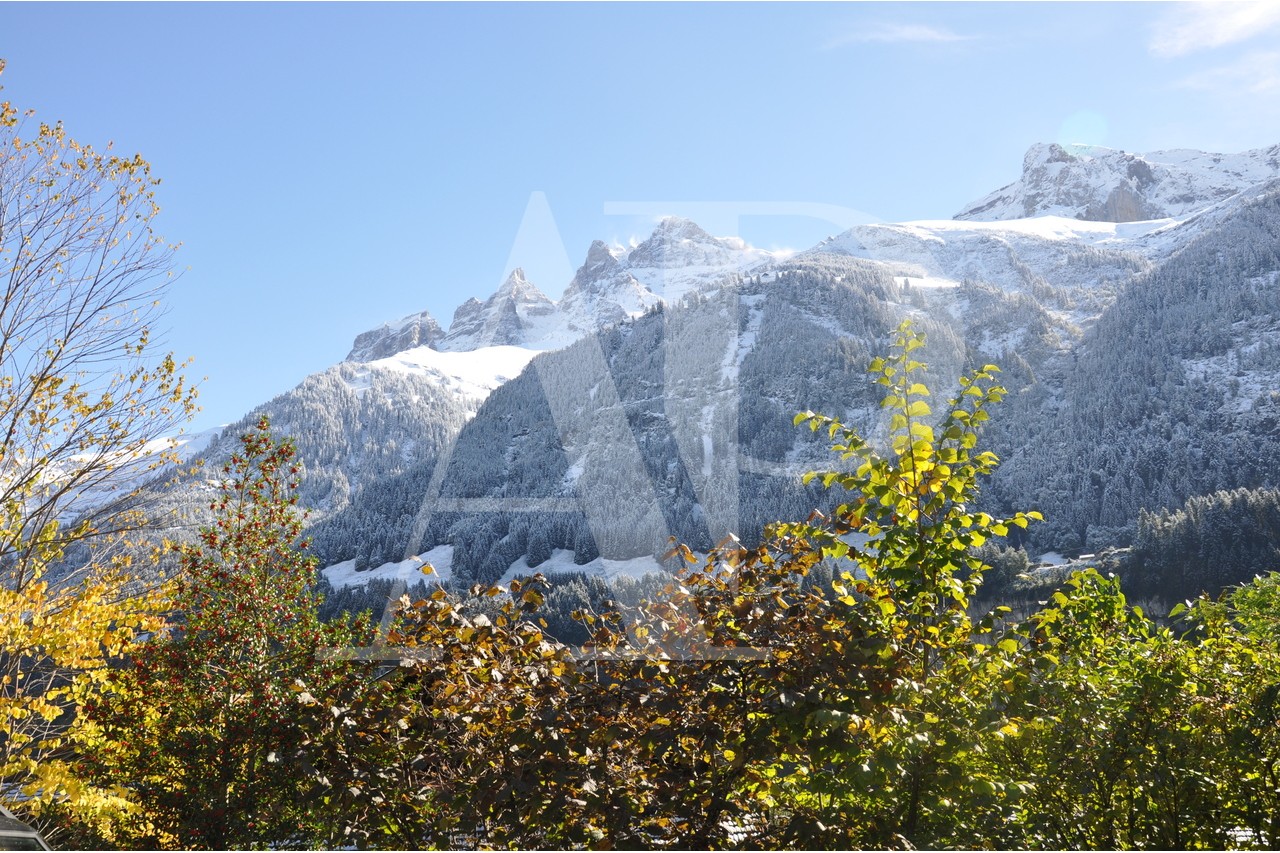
[(1255, 73), (896, 33), (1189, 27)]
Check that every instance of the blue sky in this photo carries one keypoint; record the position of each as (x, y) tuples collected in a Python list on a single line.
[(330, 167)]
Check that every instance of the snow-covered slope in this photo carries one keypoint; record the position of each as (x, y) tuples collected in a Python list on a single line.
[(945, 252), (1075, 263), (1104, 184), (1069, 266), (472, 373), (436, 565), (156, 459)]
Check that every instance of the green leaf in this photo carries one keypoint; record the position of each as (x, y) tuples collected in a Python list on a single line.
[(922, 431), (918, 409)]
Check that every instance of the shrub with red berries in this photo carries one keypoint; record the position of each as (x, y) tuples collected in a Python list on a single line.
[(206, 723)]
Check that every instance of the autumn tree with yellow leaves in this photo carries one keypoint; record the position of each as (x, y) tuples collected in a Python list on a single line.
[(83, 396)]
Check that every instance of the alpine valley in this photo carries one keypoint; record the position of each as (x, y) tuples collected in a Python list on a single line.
[(1132, 302)]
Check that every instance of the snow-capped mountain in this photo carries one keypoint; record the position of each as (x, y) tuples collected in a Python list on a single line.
[(390, 338), (613, 284), (604, 291), (518, 314), (655, 397), (679, 258), (398, 400), (1108, 185), (679, 423), (1058, 235), (1065, 264)]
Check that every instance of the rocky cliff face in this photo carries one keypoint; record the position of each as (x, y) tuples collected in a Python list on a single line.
[(416, 330), (513, 316), (677, 259), (1108, 185), (678, 243), (604, 291)]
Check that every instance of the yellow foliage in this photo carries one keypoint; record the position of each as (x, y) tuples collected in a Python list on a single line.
[(81, 397), (56, 645)]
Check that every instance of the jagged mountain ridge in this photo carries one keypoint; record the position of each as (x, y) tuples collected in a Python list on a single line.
[(1108, 185), (419, 329), (1139, 200), (613, 284)]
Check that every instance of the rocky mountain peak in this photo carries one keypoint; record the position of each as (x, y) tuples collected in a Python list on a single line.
[(603, 291), (601, 262), (416, 330), (518, 289), (679, 228), (514, 281), (677, 242), (507, 318), (1094, 183), (1041, 154)]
